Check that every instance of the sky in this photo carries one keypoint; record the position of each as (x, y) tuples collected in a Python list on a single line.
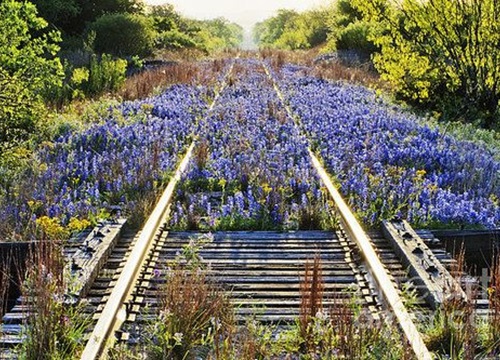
[(246, 12)]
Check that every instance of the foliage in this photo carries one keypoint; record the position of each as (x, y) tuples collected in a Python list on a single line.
[(177, 32), (72, 16), (291, 30), (19, 112), (28, 70), (165, 18), (441, 53), (347, 30), (102, 74), (223, 34), (123, 35), (174, 39), (105, 74), (58, 12), (270, 30)]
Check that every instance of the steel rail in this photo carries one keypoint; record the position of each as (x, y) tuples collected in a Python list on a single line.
[(358, 235), (109, 318), (112, 315), (375, 266)]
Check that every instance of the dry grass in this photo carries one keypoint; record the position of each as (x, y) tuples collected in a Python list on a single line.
[(5, 281), (493, 336), (356, 75), (454, 329), (186, 72), (196, 317), (198, 307), (145, 83), (311, 304), (43, 284), (333, 71)]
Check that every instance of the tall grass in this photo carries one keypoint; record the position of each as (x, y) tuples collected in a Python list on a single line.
[(492, 338), (195, 316), (311, 304), (147, 82), (5, 281), (453, 330), (53, 327)]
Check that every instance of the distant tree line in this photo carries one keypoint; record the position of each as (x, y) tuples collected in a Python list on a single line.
[(440, 55)]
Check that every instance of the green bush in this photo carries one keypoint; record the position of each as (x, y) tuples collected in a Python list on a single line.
[(29, 70), (123, 35), (20, 111), (174, 39), (442, 54), (105, 74), (292, 31), (348, 30)]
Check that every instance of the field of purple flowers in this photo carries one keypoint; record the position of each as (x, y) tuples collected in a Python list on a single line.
[(387, 163), (113, 163), (252, 169)]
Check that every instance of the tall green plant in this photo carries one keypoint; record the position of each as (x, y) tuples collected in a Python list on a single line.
[(123, 35), (105, 74), (442, 53), (347, 30), (291, 30), (29, 69)]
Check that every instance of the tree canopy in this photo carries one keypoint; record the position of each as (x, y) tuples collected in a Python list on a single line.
[(291, 30), (29, 68), (440, 53)]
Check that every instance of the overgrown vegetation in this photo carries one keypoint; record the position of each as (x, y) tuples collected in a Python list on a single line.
[(292, 31), (348, 30), (29, 69), (54, 326), (197, 320), (441, 54)]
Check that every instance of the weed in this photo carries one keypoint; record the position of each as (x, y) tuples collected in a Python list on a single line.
[(53, 328), (452, 330), (195, 316), (311, 304), (492, 336), (5, 280)]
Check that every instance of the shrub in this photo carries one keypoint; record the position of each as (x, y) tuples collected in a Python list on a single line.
[(19, 111), (105, 74), (123, 35), (348, 30), (28, 70), (174, 39), (441, 53)]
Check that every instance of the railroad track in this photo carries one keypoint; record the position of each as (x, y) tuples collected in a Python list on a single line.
[(262, 271)]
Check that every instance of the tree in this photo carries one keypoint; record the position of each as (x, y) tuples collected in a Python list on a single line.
[(29, 69), (72, 16), (291, 30), (123, 35), (348, 30), (164, 17), (442, 53), (270, 30), (229, 34), (58, 13)]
